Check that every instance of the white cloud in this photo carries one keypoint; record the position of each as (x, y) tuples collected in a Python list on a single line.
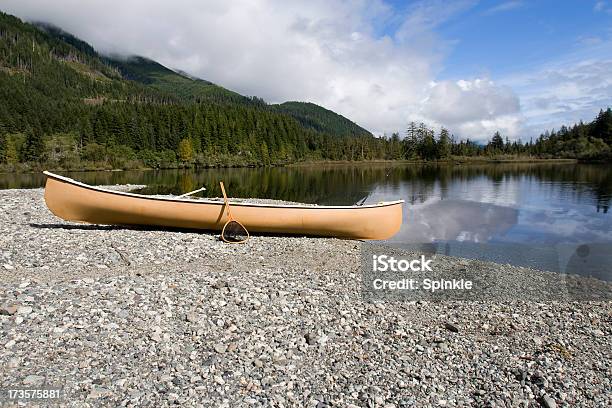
[(474, 109), (589, 40), (600, 6), (564, 93), (505, 6), (366, 60), (319, 51)]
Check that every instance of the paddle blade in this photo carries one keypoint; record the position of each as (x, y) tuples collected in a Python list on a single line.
[(234, 233)]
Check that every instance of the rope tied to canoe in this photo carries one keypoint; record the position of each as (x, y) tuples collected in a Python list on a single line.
[(233, 231)]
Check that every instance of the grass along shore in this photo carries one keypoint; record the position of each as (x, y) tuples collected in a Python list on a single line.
[(31, 168)]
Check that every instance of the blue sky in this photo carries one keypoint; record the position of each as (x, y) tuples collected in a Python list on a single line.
[(502, 37), (539, 49), (472, 66)]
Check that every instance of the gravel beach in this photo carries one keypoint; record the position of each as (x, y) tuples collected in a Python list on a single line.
[(146, 317)]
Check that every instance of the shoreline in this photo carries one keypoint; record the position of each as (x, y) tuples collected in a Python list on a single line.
[(153, 317), (453, 161)]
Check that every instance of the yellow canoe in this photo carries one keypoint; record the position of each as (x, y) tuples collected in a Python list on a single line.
[(74, 201)]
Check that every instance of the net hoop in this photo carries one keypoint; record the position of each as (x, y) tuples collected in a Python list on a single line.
[(230, 220)]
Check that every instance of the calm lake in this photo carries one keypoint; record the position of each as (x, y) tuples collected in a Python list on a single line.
[(549, 216)]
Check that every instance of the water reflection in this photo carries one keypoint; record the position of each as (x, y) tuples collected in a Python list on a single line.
[(457, 220), (349, 184)]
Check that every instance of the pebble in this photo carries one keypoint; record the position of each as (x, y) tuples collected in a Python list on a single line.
[(192, 317), (34, 380), (99, 392), (311, 338), (183, 319), (24, 310), (451, 327), (548, 402), (220, 348), (8, 310)]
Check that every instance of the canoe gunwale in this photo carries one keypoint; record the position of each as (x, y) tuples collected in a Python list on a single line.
[(210, 202)]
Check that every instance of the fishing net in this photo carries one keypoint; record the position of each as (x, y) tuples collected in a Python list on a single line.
[(234, 232)]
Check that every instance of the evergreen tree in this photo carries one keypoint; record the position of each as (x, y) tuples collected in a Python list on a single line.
[(47, 103), (411, 141), (444, 144), (428, 146), (34, 146), (601, 127), (3, 145), (496, 145)]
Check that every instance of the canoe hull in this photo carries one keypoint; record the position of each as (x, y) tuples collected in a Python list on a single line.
[(73, 201)]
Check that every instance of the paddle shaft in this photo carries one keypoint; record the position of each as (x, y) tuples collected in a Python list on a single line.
[(227, 207)]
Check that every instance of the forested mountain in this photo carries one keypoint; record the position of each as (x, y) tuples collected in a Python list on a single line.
[(64, 106), (148, 72), (67, 106), (320, 119), (157, 76)]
